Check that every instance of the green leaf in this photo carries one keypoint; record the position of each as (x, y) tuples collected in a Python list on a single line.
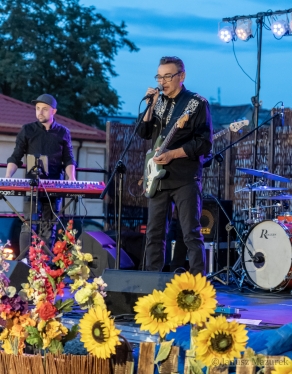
[(195, 367), (164, 351), (72, 333), (34, 337), (51, 280), (55, 347), (64, 306)]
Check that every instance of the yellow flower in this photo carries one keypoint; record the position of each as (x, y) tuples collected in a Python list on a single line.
[(151, 314), (83, 295), (77, 284), (7, 347), (220, 342), (283, 368), (55, 329), (190, 298), (41, 325), (4, 334), (98, 333), (88, 257), (98, 300)]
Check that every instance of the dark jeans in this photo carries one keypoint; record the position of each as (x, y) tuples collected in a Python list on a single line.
[(188, 200), (46, 230), (180, 250)]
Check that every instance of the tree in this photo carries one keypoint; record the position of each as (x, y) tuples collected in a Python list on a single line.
[(63, 48)]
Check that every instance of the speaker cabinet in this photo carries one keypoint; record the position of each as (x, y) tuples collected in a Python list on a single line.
[(17, 273), (213, 217), (103, 250), (124, 287)]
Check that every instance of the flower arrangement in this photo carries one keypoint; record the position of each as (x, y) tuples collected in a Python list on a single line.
[(191, 299), (41, 326)]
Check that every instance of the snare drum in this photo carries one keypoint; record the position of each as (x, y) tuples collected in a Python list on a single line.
[(269, 243)]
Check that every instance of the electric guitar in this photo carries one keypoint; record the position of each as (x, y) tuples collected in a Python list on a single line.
[(153, 172)]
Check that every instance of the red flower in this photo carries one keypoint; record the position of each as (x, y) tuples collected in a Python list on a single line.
[(60, 247), (55, 273), (60, 290), (46, 310), (70, 237)]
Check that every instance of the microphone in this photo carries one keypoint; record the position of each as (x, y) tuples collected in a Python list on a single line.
[(282, 114), (158, 88)]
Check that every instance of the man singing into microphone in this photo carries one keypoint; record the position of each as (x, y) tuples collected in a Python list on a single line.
[(182, 162)]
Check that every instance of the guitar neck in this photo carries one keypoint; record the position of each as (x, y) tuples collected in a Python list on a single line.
[(220, 133), (166, 141)]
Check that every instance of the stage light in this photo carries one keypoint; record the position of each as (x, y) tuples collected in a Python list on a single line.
[(8, 253), (280, 28), (243, 29), (226, 34)]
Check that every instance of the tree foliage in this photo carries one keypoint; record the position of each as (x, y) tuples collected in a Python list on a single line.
[(62, 48)]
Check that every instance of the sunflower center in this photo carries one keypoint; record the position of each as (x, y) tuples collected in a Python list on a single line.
[(189, 300), (221, 342), (157, 311), (97, 333)]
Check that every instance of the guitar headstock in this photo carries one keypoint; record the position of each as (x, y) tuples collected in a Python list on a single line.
[(235, 126), (182, 120)]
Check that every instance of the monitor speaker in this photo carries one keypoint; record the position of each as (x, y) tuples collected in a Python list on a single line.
[(124, 287), (213, 217), (17, 273), (103, 250)]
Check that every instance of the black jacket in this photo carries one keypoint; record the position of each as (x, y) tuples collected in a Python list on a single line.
[(55, 143), (195, 137)]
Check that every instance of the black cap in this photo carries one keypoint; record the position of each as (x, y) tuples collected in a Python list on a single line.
[(46, 99)]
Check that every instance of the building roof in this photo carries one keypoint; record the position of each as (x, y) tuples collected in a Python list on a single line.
[(15, 113)]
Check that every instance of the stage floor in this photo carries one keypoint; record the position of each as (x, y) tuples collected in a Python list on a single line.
[(258, 308)]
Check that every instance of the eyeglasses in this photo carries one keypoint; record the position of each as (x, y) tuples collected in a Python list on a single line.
[(166, 77)]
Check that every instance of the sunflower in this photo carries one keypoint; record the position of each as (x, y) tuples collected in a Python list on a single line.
[(190, 298), (281, 368), (151, 314), (98, 332), (220, 342)]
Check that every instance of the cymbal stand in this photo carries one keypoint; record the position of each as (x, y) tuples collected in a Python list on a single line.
[(226, 269)]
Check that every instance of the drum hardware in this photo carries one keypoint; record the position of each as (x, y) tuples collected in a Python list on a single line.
[(276, 197), (264, 174)]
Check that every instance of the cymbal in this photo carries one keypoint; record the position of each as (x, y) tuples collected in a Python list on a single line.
[(276, 197), (261, 189), (264, 174)]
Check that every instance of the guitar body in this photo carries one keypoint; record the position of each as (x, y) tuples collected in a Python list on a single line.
[(152, 172)]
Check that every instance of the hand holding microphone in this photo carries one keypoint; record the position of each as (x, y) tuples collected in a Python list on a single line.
[(153, 93)]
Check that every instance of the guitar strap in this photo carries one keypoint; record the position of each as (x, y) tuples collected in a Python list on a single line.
[(177, 111)]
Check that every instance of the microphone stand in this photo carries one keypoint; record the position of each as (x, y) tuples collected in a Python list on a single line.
[(34, 175), (121, 169), (230, 224)]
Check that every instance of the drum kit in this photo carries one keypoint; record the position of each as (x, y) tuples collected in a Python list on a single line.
[(266, 254)]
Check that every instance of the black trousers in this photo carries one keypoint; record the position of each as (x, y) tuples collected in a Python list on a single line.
[(46, 230), (188, 200)]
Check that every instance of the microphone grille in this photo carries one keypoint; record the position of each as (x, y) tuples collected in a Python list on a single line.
[(159, 87)]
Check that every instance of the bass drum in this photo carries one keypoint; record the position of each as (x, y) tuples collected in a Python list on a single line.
[(269, 267)]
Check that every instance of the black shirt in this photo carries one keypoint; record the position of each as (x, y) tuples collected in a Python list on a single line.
[(55, 143), (195, 137)]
